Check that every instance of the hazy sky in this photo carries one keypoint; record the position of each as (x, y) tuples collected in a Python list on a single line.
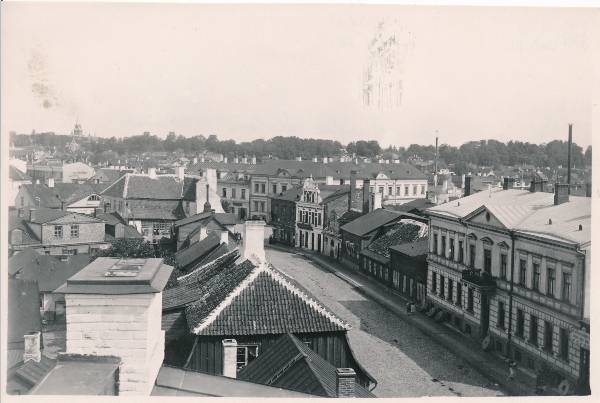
[(245, 72)]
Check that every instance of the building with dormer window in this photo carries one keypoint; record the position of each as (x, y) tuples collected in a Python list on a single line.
[(512, 268)]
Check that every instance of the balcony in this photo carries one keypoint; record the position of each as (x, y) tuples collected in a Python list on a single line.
[(479, 279)]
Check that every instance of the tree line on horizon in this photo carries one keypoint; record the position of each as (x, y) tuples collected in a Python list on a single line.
[(489, 153)]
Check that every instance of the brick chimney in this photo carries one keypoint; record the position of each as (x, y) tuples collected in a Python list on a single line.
[(114, 308), (561, 193), (229, 358), (508, 183), (152, 172), (50, 182), (180, 173), (345, 382), (253, 241), (32, 351), (225, 237), (244, 160), (366, 191), (375, 204), (352, 188), (225, 160), (467, 188)]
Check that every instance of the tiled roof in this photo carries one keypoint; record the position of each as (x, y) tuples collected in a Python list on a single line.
[(197, 250), (49, 271), (417, 204), (51, 197), (46, 215), (15, 222), (348, 216), (371, 221), (292, 194), (23, 309), (167, 210), (226, 218), (161, 187), (258, 300), (396, 234), (527, 212), (15, 174), (192, 219), (413, 249), (109, 175), (291, 364)]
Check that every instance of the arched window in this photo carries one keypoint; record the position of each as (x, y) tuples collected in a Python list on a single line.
[(94, 198)]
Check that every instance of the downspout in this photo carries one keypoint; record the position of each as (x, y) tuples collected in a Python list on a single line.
[(510, 292)]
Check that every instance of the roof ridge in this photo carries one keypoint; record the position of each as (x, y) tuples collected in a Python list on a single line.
[(306, 298), (115, 182), (214, 314), (224, 257)]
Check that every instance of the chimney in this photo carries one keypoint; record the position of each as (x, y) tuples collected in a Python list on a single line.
[(561, 193), (254, 159), (315, 159), (588, 189), (50, 182), (202, 158), (236, 160), (329, 180), (508, 183), (352, 188), (467, 187), (445, 185), (229, 358), (114, 308), (253, 245), (225, 237), (298, 158), (436, 154), (569, 158), (152, 172), (225, 160), (119, 230), (366, 191), (32, 349), (195, 160), (203, 233), (180, 173), (325, 160), (375, 201), (345, 382), (244, 160), (207, 208)]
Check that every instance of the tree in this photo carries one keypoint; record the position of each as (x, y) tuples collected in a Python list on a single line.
[(588, 156), (136, 248)]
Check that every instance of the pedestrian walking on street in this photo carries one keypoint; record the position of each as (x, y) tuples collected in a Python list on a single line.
[(408, 308), (511, 370)]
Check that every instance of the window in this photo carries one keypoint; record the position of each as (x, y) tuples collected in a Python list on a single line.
[(256, 188), (523, 272), (517, 355), (459, 294), (319, 219), (435, 244), (224, 192), (433, 282), (398, 190), (275, 188), (551, 274), (451, 257), (405, 190), (450, 291), (244, 194), (415, 190), (548, 330), (233, 193), (442, 289), (520, 323), (566, 287), (469, 299), (75, 231), (564, 344), (533, 330), (255, 206), (472, 255), (501, 315), (461, 252), (503, 259), (262, 206), (390, 190), (422, 189), (94, 198), (283, 188), (245, 355), (443, 245), (536, 276), (58, 231), (381, 189), (487, 260), (22, 201), (263, 188)]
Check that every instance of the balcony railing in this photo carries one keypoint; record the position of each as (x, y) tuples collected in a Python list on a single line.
[(478, 278)]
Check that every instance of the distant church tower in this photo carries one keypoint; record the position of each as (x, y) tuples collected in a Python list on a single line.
[(77, 131)]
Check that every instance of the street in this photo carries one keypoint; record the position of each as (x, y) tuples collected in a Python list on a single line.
[(405, 362)]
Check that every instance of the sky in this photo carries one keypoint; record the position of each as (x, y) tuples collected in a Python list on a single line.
[(247, 72)]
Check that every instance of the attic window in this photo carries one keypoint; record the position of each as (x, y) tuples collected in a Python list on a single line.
[(487, 216), (580, 227), (125, 268)]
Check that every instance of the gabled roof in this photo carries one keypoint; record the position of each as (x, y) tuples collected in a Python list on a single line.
[(291, 364), (348, 216), (46, 215), (197, 250), (23, 310), (14, 174), (48, 271), (258, 300), (160, 187), (371, 221), (15, 222), (167, 210), (396, 234), (50, 197)]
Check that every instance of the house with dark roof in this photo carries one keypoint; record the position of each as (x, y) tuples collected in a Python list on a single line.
[(81, 198), (283, 216), (55, 232), (408, 264), (115, 227), (212, 246), (250, 302), (16, 179), (108, 175), (291, 364), (49, 272), (195, 227)]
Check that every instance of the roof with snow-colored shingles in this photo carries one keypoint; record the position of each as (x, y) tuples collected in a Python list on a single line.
[(160, 187), (527, 212)]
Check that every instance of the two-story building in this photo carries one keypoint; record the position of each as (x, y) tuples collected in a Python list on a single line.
[(81, 198), (235, 189), (283, 216), (512, 268)]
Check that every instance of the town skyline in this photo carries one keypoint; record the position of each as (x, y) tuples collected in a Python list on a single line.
[(217, 73)]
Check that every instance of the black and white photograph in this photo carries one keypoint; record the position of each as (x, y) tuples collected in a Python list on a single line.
[(289, 200)]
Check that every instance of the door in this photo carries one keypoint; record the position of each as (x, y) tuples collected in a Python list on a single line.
[(319, 242), (485, 314), (312, 241), (242, 213)]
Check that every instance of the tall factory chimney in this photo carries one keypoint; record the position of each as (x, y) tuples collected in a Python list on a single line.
[(569, 157), (436, 155)]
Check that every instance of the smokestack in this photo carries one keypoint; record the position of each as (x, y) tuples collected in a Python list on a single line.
[(508, 183), (352, 188), (569, 157), (366, 191), (345, 382), (436, 154)]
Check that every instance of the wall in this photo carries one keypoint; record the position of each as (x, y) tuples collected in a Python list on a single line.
[(126, 326), (89, 232)]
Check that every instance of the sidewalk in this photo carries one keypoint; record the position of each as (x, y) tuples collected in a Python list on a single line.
[(489, 365)]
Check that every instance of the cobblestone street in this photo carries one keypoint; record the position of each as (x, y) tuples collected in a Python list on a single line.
[(405, 362)]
